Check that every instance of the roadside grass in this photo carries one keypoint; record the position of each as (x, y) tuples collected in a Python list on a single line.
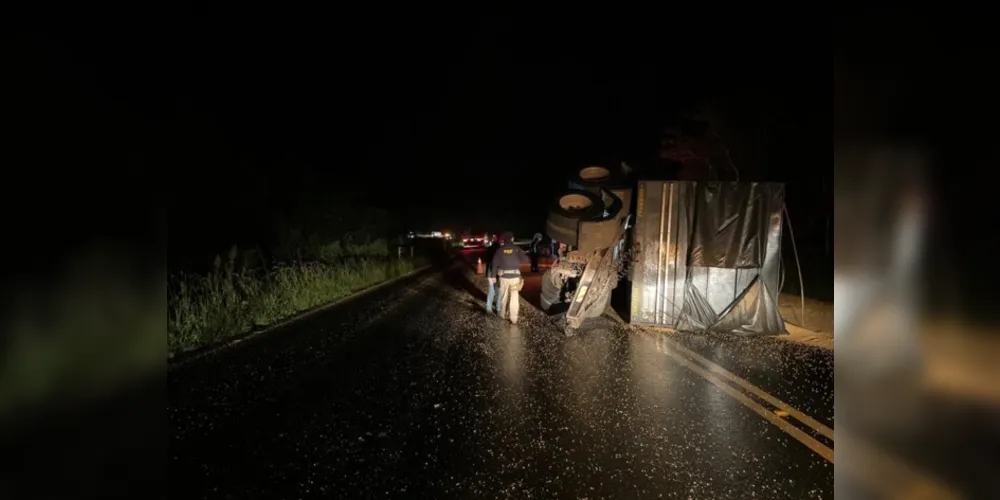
[(241, 293)]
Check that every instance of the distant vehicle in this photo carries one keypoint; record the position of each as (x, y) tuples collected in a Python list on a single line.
[(429, 235), (475, 241)]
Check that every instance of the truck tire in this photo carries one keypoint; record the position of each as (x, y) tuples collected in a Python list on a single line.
[(566, 212), (550, 291), (581, 187), (594, 177)]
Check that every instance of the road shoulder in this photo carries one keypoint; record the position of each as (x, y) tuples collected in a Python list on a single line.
[(178, 359)]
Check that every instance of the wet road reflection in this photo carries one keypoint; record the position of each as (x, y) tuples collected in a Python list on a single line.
[(432, 398), (513, 357)]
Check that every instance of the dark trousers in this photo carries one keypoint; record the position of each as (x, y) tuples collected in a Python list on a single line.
[(534, 261)]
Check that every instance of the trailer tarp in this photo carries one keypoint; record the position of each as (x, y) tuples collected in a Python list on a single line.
[(708, 256)]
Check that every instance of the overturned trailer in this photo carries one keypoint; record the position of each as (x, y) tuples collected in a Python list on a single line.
[(701, 256), (710, 256)]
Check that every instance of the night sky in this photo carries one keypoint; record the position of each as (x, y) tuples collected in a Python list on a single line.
[(443, 118)]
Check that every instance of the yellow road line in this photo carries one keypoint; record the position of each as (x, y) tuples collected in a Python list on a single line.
[(878, 468), (811, 442), (777, 403)]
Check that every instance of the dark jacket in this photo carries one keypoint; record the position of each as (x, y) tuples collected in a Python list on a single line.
[(536, 246), (509, 257), (491, 252)]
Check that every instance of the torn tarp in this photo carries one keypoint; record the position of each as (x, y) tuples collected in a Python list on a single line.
[(731, 223), (751, 312), (708, 257)]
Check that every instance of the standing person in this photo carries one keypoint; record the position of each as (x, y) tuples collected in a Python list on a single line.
[(506, 266), (535, 251), (493, 292)]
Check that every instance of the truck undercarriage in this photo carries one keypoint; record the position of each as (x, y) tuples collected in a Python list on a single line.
[(591, 218)]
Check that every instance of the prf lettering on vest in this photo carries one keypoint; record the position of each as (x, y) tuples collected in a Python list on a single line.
[(508, 251)]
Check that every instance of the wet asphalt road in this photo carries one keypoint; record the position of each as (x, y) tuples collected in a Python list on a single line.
[(414, 392)]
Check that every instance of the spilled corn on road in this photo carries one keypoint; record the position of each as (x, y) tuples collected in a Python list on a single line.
[(413, 391)]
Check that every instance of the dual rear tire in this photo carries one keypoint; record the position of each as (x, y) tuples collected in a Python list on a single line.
[(588, 199)]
